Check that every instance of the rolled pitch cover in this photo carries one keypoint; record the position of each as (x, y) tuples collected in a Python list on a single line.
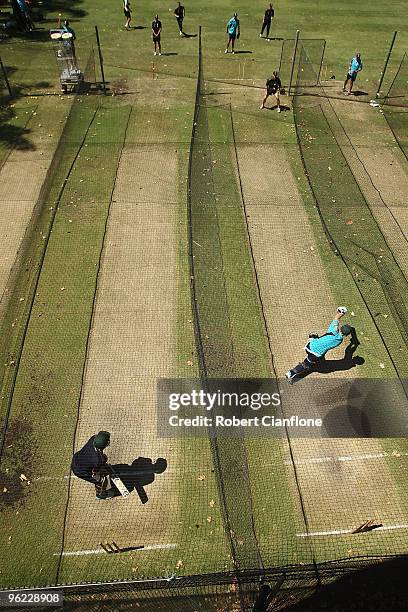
[(66, 36), (56, 36)]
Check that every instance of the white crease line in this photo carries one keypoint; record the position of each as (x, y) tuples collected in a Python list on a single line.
[(345, 458), (100, 551), (54, 478), (349, 531)]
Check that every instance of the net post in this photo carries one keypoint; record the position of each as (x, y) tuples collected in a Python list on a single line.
[(281, 56), (321, 62), (199, 43), (100, 59), (293, 61), (6, 78), (386, 63)]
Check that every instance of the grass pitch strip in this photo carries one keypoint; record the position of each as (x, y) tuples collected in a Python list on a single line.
[(44, 404)]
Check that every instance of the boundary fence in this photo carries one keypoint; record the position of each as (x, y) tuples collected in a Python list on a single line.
[(252, 590)]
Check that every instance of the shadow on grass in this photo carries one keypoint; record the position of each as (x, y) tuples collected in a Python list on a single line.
[(40, 33), (358, 93), (274, 108), (13, 136), (140, 473)]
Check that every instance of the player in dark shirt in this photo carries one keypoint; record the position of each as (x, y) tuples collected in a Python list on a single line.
[(89, 463), (180, 12), (267, 21), (156, 32), (273, 87)]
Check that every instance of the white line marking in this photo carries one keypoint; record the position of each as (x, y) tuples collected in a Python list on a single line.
[(53, 478), (349, 531), (345, 458), (100, 551)]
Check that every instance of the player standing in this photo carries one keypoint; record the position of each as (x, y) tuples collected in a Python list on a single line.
[(356, 65), (267, 21), (128, 14), (233, 31), (90, 464), (273, 87), (156, 32), (180, 12)]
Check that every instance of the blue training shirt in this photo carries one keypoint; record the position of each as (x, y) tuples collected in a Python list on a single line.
[(333, 338), (232, 26), (355, 65)]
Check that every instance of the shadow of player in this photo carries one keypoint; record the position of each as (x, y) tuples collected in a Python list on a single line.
[(348, 361), (275, 107), (140, 473)]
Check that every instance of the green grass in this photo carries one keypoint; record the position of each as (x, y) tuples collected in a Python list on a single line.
[(370, 31)]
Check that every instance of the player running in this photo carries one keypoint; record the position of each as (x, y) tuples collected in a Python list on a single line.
[(318, 346), (267, 21), (356, 65), (233, 32), (180, 12), (156, 32), (273, 87)]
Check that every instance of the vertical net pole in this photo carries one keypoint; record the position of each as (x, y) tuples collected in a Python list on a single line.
[(293, 61), (386, 64), (281, 56), (394, 80), (321, 63), (6, 78), (100, 60)]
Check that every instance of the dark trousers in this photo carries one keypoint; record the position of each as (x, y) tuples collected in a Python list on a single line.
[(267, 25), (180, 23), (307, 364)]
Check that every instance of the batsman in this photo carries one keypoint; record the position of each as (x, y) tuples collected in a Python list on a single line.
[(91, 464), (317, 346)]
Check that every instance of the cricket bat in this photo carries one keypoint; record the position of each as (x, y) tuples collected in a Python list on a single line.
[(120, 486)]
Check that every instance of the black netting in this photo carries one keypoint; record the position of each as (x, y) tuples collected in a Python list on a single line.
[(395, 105), (212, 324), (398, 92)]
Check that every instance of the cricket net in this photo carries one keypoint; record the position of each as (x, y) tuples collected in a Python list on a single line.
[(364, 245), (252, 583), (398, 92), (395, 106), (213, 327)]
